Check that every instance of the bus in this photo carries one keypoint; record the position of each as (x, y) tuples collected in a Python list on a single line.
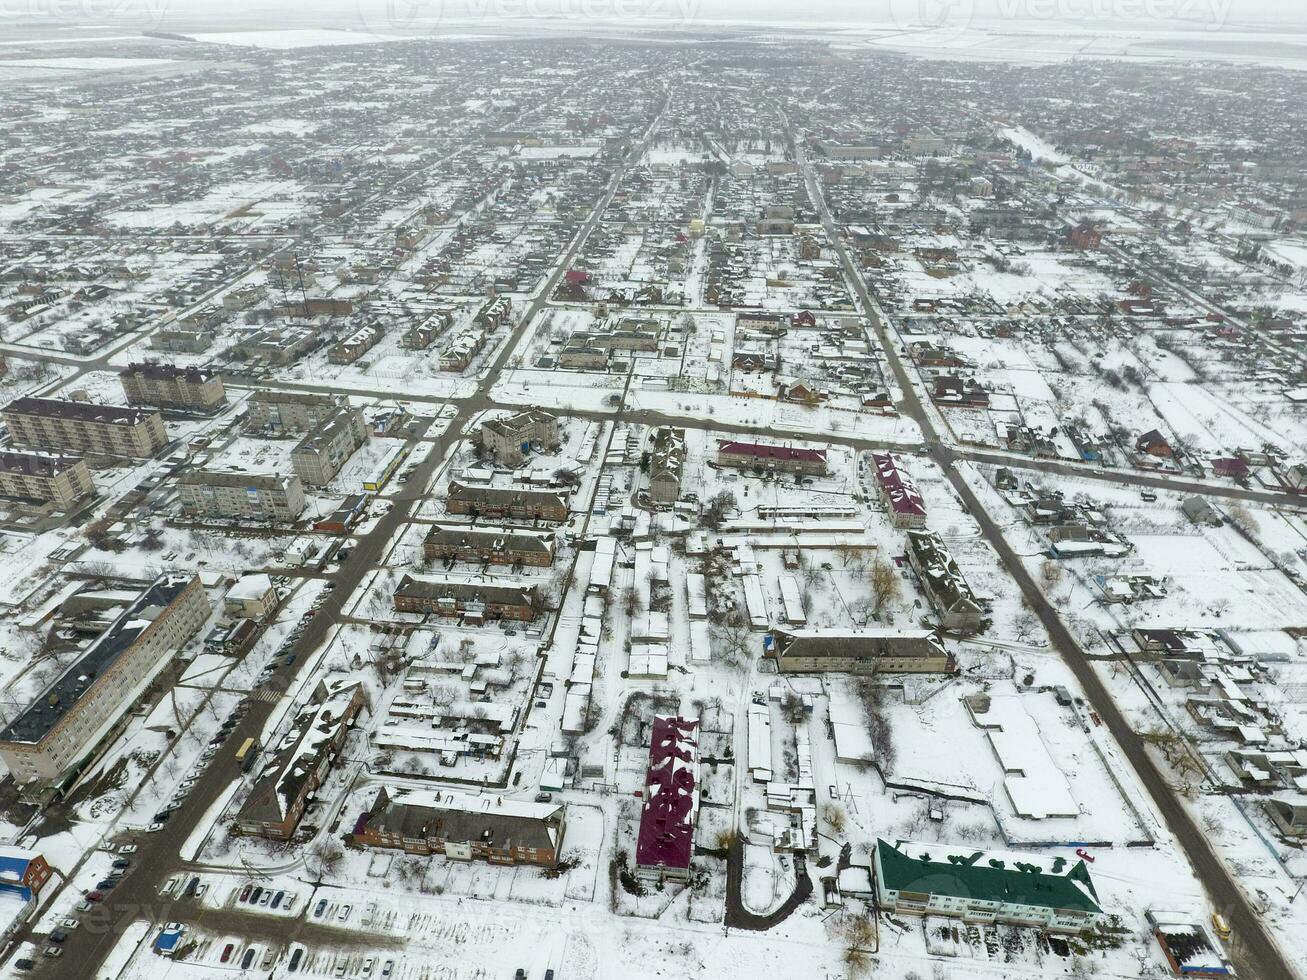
[(391, 462), (247, 753)]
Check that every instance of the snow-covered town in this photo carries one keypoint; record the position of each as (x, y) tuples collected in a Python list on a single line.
[(674, 500)]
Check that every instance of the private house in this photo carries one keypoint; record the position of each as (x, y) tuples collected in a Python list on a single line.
[(464, 826), (23, 874), (665, 843), (859, 651), (986, 887), (475, 601), (788, 459), (666, 464), (900, 494), (949, 594), (1153, 443), (489, 545), (300, 763), (521, 503)]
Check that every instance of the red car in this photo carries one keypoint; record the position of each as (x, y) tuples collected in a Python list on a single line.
[(245, 892), (95, 896), (226, 952), (1082, 853)]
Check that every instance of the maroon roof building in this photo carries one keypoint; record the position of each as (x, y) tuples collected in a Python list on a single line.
[(751, 455), (671, 801), (906, 507)]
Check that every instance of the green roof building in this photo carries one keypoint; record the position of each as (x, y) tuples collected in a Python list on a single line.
[(981, 886)]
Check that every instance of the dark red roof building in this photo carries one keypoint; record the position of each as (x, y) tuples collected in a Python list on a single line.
[(671, 800), (907, 508), (747, 455)]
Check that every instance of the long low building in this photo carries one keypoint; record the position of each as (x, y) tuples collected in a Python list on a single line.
[(254, 496), (476, 601), (950, 596), (754, 455), (522, 503), (490, 545), (464, 826), (859, 651), (301, 762), (979, 886), (47, 477), (81, 427), (665, 843), (48, 741)]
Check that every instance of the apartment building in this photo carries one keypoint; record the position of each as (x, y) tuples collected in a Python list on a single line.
[(249, 496), (752, 455), (666, 464), (321, 453), (280, 412), (1023, 888), (303, 761), (464, 826), (169, 386), (521, 503), (861, 651), (47, 477), (50, 739), (489, 545), (474, 601), (351, 348), (510, 439), (950, 596), (72, 426)]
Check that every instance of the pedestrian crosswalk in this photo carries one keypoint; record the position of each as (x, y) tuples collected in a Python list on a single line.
[(264, 694)]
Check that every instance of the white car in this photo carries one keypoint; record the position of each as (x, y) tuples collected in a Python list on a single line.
[(367, 966), (344, 913), (168, 886)]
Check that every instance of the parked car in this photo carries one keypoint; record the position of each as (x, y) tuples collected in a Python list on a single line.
[(344, 913), (248, 959), (24, 964), (58, 936), (226, 952), (276, 899), (320, 908), (94, 896), (296, 955), (122, 863), (52, 951), (245, 893), (254, 896)]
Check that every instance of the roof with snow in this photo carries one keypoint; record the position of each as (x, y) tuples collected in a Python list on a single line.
[(670, 798), (762, 451), (898, 488)]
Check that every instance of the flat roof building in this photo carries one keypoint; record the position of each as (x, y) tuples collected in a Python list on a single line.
[(51, 738), (60, 425), (250, 496), (60, 480), (170, 386)]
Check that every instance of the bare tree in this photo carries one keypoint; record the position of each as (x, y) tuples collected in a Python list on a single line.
[(885, 585)]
